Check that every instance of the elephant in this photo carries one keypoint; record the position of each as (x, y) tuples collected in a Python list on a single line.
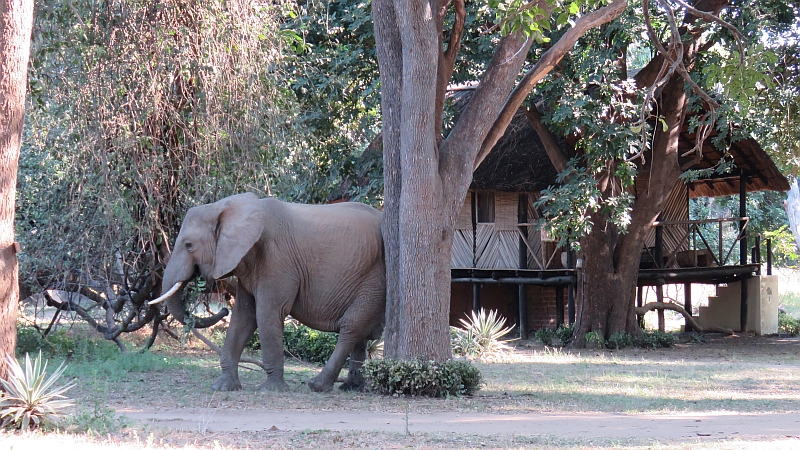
[(321, 264)]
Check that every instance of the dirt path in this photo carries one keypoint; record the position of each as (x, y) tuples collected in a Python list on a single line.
[(672, 427)]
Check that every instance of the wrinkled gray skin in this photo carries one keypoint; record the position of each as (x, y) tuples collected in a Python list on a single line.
[(323, 264)]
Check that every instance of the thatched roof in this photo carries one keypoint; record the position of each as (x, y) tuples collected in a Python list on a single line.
[(748, 157), (518, 162)]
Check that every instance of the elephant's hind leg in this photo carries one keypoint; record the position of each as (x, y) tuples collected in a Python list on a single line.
[(355, 378)]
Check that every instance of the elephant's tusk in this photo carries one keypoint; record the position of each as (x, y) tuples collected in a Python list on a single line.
[(164, 296)]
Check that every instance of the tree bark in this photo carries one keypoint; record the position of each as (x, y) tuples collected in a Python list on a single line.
[(16, 22), (611, 261)]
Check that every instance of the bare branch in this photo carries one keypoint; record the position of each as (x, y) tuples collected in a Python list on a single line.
[(712, 18), (678, 308), (218, 351)]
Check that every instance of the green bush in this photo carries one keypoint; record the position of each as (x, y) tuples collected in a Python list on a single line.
[(654, 339), (63, 343), (419, 377), (308, 344), (788, 324), (545, 335), (564, 333), (594, 340), (619, 340)]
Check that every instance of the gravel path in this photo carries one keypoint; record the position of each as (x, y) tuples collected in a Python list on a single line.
[(667, 427)]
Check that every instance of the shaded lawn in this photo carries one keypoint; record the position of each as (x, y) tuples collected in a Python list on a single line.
[(730, 374)]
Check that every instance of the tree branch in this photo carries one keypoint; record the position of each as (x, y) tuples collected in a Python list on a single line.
[(218, 351), (557, 157), (542, 67), (678, 308), (447, 58)]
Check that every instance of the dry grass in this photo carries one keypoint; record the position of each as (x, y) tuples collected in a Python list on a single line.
[(726, 374)]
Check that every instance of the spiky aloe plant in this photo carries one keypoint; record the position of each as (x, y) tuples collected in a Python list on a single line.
[(31, 399), (481, 334)]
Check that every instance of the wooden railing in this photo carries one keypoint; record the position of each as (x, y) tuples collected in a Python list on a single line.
[(692, 235)]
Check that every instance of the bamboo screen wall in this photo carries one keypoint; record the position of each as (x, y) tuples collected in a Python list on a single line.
[(676, 208), (496, 245)]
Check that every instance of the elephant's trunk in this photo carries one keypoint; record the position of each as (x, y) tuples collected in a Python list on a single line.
[(173, 298)]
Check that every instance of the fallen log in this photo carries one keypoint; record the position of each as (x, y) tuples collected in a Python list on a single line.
[(642, 310)]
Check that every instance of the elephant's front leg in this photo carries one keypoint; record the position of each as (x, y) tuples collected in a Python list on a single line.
[(270, 330), (242, 327)]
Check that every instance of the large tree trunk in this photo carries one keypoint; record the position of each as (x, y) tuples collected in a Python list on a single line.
[(611, 261), (425, 176), (16, 21)]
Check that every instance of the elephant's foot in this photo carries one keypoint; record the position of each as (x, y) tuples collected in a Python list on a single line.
[(320, 384), (355, 382), (226, 383), (273, 384), (351, 386)]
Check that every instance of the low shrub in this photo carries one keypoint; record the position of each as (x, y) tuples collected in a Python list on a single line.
[(545, 335), (619, 340), (594, 340), (788, 324), (564, 333), (308, 344), (654, 339), (418, 377)]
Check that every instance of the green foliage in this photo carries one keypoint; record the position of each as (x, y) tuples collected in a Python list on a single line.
[(619, 340), (564, 333), (788, 324), (594, 340), (479, 335), (545, 335), (419, 377), (532, 18), (308, 344), (31, 399), (62, 343), (655, 339)]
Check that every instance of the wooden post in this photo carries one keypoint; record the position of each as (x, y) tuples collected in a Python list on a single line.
[(769, 256), (559, 306), (660, 299), (742, 214), (639, 301), (571, 288), (687, 304), (476, 297), (743, 250), (659, 250), (522, 263)]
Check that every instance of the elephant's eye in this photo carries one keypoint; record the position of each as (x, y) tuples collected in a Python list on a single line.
[(189, 246)]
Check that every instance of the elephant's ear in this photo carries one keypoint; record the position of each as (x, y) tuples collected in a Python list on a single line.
[(240, 224)]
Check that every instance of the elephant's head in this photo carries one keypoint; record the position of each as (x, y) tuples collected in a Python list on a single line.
[(213, 240)]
